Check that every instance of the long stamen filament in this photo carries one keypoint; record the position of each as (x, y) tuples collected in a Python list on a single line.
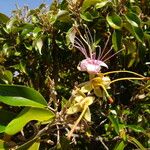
[(77, 122), (113, 55), (89, 46), (107, 94), (106, 54), (127, 78), (123, 71), (105, 46)]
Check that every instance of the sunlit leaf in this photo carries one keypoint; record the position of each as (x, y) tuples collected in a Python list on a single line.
[(133, 19), (35, 146), (26, 115), (87, 115), (115, 122), (120, 146), (39, 45), (136, 143), (3, 18), (86, 16), (101, 4), (17, 95), (8, 76), (136, 128), (88, 3), (63, 16), (70, 36), (36, 31), (114, 21)]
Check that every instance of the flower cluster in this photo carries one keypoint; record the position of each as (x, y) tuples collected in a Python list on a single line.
[(95, 58)]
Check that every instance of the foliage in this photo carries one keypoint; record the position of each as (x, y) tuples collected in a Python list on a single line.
[(38, 70)]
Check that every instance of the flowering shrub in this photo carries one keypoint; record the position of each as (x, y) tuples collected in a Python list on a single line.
[(75, 75)]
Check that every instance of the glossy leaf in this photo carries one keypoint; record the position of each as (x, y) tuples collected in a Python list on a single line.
[(136, 143), (3, 18), (63, 16), (114, 21), (101, 4), (138, 32), (25, 116), (136, 128), (115, 122), (86, 16), (88, 3), (21, 93), (70, 36), (116, 40), (8, 76), (133, 19)]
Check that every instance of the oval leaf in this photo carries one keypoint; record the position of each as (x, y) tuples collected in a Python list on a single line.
[(116, 40), (23, 96), (26, 115), (114, 21), (3, 18), (133, 19)]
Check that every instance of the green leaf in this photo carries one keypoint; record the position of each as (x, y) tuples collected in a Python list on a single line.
[(136, 128), (26, 115), (138, 32), (26, 145), (3, 18), (70, 36), (114, 21), (8, 76), (116, 40), (18, 95), (36, 31), (101, 4), (133, 19), (115, 122), (63, 16), (136, 143), (88, 3), (34, 146), (86, 16), (120, 146)]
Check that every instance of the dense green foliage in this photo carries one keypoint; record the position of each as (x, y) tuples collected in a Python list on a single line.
[(47, 103)]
